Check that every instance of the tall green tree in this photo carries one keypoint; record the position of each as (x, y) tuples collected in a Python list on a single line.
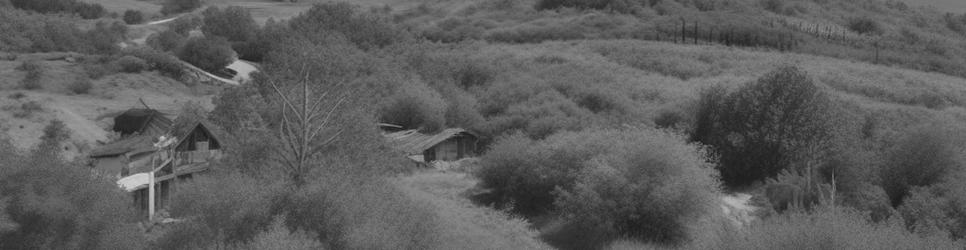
[(782, 121)]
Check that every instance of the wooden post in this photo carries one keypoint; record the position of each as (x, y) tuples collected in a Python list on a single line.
[(684, 31), (695, 33), (876, 46)]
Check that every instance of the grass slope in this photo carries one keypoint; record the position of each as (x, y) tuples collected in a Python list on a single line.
[(86, 115)]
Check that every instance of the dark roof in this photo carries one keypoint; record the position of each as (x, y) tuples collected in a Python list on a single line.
[(145, 142), (413, 142), (141, 122)]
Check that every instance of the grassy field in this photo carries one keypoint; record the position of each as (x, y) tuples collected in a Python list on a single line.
[(954, 6)]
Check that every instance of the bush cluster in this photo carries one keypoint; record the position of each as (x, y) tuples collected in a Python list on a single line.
[(84, 9), (133, 17), (773, 124), (80, 86), (131, 64), (34, 70), (29, 32), (645, 184), (56, 205), (208, 53), (415, 108), (179, 6), (160, 61)]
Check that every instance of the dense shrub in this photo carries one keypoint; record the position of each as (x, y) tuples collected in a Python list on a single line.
[(365, 30), (627, 6), (232, 207), (160, 61), (651, 186), (133, 17), (167, 40), (208, 53), (864, 25), (824, 228), (185, 24), (415, 108), (56, 205), (233, 23), (178, 6), (83, 9), (34, 70), (528, 33), (782, 121), (81, 85), (923, 157), (131, 64), (280, 237)]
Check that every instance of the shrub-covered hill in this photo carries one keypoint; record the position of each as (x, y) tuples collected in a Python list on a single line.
[(543, 88), (885, 32)]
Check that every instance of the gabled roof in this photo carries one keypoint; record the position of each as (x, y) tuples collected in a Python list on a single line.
[(145, 142), (413, 142), (142, 122)]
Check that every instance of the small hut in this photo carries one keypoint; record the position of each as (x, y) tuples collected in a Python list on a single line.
[(135, 157), (448, 145)]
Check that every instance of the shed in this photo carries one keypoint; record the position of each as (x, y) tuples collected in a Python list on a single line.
[(141, 121), (448, 145)]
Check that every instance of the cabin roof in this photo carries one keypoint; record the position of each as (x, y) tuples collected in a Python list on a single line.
[(413, 142), (145, 142)]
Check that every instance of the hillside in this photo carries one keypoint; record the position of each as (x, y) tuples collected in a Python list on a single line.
[(612, 124), (87, 115)]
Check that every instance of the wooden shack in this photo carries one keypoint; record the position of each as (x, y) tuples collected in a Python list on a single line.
[(136, 156), (448, 145)]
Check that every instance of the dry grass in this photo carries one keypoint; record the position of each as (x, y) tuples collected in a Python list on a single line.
[(954, 6)]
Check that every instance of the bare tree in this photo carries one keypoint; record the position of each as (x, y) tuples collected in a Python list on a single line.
[(306, 127)]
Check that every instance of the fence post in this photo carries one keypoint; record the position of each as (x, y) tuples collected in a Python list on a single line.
[(696, 33), (684, 31)]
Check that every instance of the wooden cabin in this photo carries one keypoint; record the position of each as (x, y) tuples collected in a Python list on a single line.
[(133, 158), (448, 145)]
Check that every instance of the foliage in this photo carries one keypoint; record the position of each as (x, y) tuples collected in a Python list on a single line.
[(365, 30), (824, 228), (923, 157), (179, 6), (185, 24), (133, 17), (131, 64), (651, 186), (415, 107), (208, 53), (233, 23), (279, 237), (168, 40), (34, 70), (865, 25), (57, 205), (81, 85), (84, 9), (232, 207), (782, 121), (160, 61)]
